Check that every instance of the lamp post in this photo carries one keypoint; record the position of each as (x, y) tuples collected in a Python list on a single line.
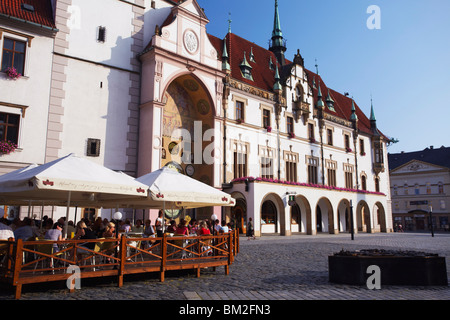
[(117, 217), (431, 219), (214, 218), (352, 230)]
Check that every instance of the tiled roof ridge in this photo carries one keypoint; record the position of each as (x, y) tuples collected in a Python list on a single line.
[(41, 16)]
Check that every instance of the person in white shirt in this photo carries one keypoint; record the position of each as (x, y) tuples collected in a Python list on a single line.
[(225, 228), (6, 232)]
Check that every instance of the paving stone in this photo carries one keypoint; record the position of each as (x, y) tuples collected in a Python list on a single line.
[(272, 268)]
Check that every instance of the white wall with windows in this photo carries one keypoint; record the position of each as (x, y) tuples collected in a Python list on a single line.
[(24, 101)]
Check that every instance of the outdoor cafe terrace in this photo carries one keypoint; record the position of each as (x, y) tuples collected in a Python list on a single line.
[(27, 262)]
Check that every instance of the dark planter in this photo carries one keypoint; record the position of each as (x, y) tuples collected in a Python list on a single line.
[(396, 267)]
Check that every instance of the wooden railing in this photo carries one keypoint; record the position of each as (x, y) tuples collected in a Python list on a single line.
[(26, 262)]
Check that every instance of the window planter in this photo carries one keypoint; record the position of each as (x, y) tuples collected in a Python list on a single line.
[(348, 150), (6, 147), (12, 73), (291, 135), (269, 129)]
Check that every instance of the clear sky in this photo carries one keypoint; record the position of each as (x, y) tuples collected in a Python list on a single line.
[(404, 65)]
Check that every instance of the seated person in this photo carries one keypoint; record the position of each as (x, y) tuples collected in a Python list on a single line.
[(182, 229)]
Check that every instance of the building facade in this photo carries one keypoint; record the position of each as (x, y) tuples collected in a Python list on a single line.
[(146, 86), (420, 182)]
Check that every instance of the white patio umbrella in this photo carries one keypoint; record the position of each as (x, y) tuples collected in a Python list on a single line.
[(170, 188), (69, 181)]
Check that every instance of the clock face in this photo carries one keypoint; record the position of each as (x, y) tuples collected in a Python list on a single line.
[(190, 170), (190, 41)]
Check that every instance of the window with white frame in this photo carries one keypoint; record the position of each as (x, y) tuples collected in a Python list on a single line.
[(291, 161), (266, 157), (13, 55)]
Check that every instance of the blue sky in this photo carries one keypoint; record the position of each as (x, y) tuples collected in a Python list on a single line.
[(404, 65)]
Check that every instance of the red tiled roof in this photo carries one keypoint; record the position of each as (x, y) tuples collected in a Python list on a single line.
[(264, 77), (42, 15)]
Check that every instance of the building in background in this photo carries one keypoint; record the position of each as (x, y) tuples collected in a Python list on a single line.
[(420, 182), (145, 86)]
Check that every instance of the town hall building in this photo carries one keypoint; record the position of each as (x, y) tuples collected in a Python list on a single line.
[(146, 86)]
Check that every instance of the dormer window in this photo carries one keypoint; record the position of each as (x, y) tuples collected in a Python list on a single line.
[(27, 7), (246, 69), (330, 102)]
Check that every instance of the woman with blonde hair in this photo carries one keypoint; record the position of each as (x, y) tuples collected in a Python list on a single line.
[(110, 230)]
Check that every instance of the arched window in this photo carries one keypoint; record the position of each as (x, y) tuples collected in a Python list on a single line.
[(363, 183), (377, 184), (269, 213), (296, 216)]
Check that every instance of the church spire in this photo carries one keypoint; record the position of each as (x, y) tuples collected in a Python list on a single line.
[(277, 43)]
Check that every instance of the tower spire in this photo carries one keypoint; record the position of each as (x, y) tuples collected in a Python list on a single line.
[(277, 43), (372, 113)]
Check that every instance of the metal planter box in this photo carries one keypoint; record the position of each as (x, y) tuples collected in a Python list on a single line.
[(422, 270)]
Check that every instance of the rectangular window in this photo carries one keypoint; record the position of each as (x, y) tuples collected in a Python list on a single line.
[(332, 177), (311, 135), (93, 148), (9, 127), (347, 141), (312, 174), (240, 164), (291, 171), (349, 180), (13, 55), (348, 171), (313, 164), (101, 34), (330, 137), (267, 168), (266, 118), (362, 150), (290, 124), (239, 111)]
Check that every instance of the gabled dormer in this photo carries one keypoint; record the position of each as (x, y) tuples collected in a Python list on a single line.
[(246, 68)]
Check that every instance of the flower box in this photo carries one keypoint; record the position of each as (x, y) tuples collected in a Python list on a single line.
[(269, 129), (6, 147), (348, 150), (12, 73), (291, 135)]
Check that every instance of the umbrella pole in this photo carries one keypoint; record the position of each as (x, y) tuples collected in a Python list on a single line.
[(67, 215)]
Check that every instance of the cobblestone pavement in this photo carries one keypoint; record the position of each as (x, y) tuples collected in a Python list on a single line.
[(269, 268)]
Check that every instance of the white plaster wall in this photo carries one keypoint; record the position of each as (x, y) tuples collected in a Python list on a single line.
[(32, 90), (94, 112), (86, 17)]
